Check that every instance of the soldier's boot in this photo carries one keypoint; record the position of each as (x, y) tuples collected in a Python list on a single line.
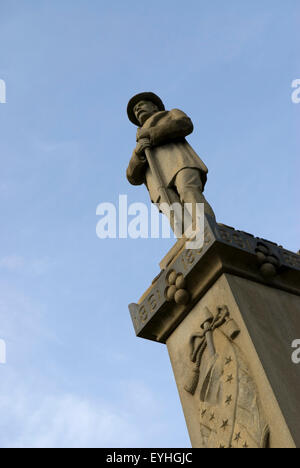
[(194, 196)]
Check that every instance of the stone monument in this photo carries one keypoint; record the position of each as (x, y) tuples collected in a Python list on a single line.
[(228, 312), (163, 160)]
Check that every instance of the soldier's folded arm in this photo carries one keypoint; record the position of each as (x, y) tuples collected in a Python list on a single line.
[(179, 125), (136, 170)]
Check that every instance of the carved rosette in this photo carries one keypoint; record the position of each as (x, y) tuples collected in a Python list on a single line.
[(230, 413)]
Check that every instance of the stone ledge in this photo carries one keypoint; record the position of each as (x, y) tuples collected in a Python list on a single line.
[(225, 250)]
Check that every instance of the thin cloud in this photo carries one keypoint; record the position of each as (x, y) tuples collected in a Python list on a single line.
[(18, 264), (12, 263), (70, 420)]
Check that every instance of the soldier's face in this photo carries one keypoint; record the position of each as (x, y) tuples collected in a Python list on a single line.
[(143, 110)]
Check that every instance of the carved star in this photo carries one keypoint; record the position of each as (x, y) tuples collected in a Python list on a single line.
[(228, 400), (225, 425), (229, 378), (228, 361), (212, 417), (238, 437)]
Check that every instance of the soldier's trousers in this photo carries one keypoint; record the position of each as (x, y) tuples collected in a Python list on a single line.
[(188, 188)]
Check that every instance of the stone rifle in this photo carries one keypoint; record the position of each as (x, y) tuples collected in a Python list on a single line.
[(156, 175)]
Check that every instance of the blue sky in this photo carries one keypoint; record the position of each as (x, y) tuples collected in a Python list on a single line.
[(75, 373)]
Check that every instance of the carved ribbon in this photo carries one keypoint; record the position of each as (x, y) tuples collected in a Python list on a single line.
[(196, 352)]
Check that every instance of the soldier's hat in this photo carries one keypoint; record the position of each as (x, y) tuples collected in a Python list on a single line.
[(146, 96)]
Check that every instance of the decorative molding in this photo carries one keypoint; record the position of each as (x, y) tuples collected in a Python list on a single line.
[(176, 288), (225, 250), (268, 263)]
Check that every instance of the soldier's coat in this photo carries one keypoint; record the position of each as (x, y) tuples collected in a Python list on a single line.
[(170, 151)]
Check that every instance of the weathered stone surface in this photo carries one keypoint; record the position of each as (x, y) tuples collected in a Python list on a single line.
[(238, 398), (164, 161), (229, 337), (225, 250)]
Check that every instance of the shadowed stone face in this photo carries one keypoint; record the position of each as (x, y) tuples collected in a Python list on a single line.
[(143, 110)]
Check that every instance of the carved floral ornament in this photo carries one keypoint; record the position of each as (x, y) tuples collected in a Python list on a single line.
[(226, 396)]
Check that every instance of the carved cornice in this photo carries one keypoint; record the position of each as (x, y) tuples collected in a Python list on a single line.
[(225, 250)]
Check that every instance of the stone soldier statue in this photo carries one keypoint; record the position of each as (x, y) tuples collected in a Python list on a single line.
[(175, 166)]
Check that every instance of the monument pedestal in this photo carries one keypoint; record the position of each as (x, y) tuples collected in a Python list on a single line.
[(229, 313)]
